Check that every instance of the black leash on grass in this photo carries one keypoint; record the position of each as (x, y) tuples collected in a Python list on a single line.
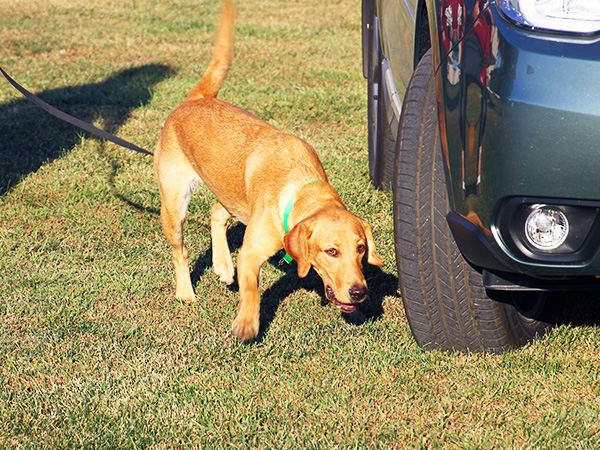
[(73, 120)]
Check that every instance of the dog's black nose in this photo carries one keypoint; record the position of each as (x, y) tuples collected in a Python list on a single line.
[(358, 293)]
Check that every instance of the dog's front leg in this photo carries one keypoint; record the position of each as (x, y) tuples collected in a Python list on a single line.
[(246, 324), (222, 263), (255, 251)]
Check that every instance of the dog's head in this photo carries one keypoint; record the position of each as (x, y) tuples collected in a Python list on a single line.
[(334, 242)]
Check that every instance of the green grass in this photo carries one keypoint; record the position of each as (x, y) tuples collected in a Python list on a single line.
[(95, 352)]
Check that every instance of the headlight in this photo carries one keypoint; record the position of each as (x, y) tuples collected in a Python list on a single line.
[(570, 16)]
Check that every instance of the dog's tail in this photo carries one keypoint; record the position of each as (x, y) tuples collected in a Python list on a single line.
[(211, 82)]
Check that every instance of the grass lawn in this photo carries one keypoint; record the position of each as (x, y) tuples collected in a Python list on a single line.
[(95, 352)]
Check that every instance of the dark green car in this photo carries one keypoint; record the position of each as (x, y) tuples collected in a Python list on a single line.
[(484, 119)]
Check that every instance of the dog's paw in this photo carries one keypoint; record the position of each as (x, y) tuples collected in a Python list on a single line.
[(185, 295), (245, 328), (226, 276), (225, 272)]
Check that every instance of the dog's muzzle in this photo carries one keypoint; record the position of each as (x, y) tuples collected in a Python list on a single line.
[(357, 294)]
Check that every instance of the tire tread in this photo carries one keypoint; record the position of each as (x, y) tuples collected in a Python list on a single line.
[(446, 304)]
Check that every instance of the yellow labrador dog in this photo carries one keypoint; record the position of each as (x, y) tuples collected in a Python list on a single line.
[(269, 180)]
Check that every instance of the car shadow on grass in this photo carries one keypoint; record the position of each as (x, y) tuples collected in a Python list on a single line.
[(580, 308), (31, 137)]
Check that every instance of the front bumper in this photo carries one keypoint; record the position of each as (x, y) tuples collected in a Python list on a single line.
[(520, 121)]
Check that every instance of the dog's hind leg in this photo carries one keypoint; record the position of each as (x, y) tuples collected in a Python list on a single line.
[(175, 191), (222, 263)]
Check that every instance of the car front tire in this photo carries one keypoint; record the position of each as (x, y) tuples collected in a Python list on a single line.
[(446, 303)]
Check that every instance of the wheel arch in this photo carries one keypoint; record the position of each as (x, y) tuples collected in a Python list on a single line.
[(423, 32), (367, 13)]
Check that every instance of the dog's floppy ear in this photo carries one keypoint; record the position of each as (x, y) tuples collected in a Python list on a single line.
[(372, 256), (296, 244)]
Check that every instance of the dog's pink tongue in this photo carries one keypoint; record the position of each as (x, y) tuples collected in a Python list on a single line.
[(345, 307)]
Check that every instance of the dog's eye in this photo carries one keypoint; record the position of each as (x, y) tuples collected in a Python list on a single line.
[(332, 252), (361, 248)]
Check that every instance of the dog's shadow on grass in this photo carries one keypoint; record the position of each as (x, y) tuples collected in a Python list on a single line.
[(31, 137), (380, 285)]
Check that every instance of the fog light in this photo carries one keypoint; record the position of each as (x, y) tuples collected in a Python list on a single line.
[(546, 228)]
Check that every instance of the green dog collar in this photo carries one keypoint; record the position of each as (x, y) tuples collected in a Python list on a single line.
[(286, 215)]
